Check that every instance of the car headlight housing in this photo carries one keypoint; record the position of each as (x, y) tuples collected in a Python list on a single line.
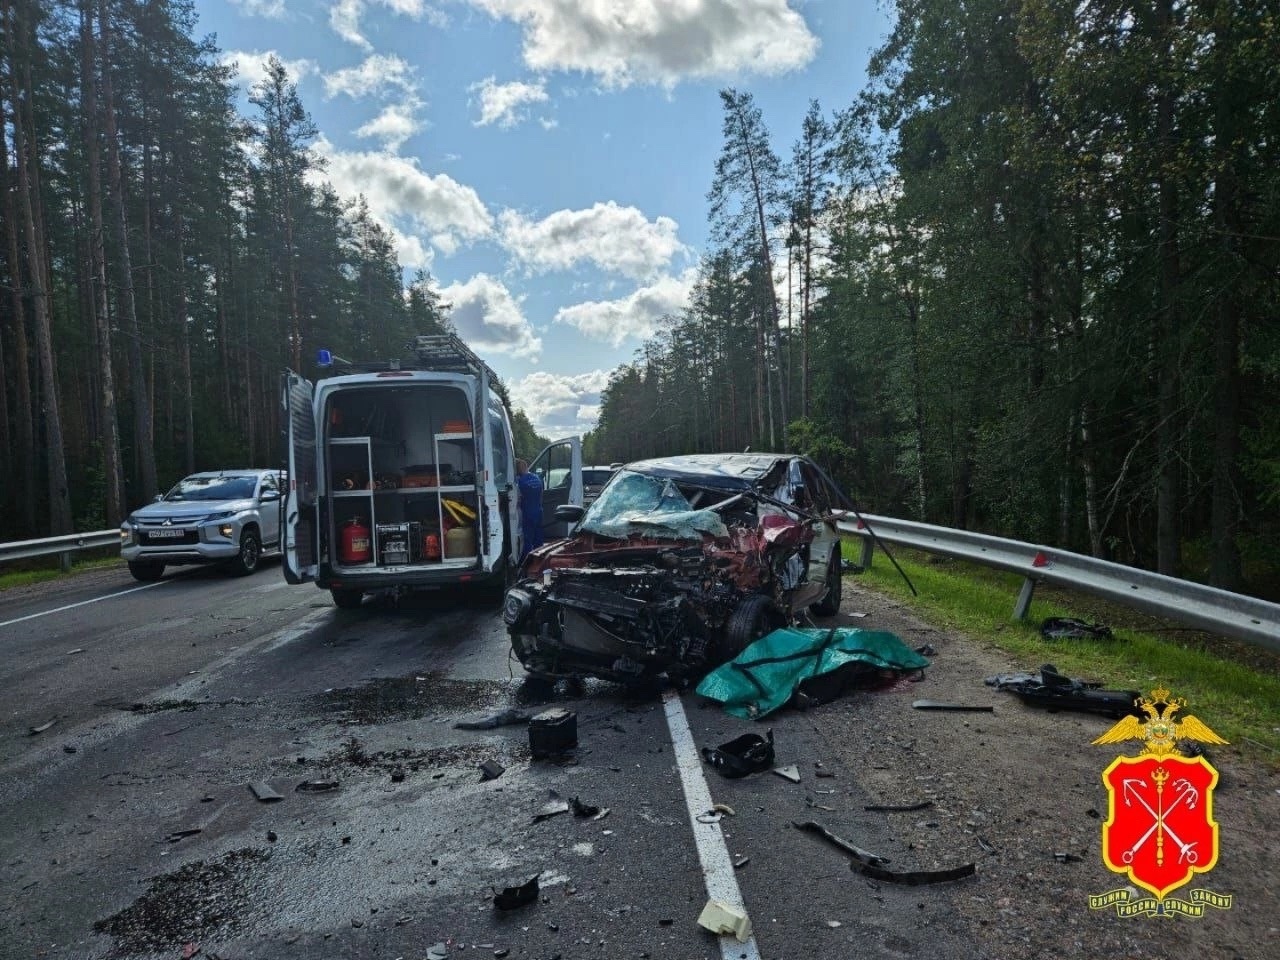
[(516, 607)]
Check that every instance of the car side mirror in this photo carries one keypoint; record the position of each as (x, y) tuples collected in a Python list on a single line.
[(570, 512), (157, 498), (269, 495)]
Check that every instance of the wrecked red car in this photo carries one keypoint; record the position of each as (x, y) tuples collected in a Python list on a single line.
[(678, 566)]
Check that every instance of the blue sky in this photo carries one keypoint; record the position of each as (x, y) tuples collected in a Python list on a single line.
[(547, 160)]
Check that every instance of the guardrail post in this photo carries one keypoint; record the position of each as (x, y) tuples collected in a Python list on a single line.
[(64, 561), (1024, 599), (868, 549)]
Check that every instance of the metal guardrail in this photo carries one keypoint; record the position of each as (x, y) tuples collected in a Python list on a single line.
[(65, 546), (1207, 608)]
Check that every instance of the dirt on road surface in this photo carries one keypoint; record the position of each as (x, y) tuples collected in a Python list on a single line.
[(1019, 791)]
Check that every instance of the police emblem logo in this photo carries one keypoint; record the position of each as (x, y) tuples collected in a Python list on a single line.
[(1160, 831)]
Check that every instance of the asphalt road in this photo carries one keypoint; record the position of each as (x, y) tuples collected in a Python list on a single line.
[(128, 829)]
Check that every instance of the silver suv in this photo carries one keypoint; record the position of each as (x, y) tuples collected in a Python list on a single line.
[(225, 516)]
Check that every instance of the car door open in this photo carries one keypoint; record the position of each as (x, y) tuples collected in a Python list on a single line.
[(559, 467)]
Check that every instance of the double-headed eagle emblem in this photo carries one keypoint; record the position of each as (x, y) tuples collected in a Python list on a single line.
[(1160, 733)]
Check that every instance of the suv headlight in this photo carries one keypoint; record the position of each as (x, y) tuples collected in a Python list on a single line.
[(128, 533)]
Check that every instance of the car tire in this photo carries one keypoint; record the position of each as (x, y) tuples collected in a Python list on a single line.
[(752, 619), (829, 605), (246, 560), (347, 599), (147, 571)]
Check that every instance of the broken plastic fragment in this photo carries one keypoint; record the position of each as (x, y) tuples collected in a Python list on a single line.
[(264, 792), (506, 718), (43, 727), (862, 856), (437, 951), (554, 808), (581, 809), (749, 753), (316, 786), (722, 919), (491, 770), (790, 772), (944, 705), (723, 808), (512, 897)]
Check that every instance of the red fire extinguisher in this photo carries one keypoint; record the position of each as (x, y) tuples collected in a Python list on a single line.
[(354, 545), (431, 546)]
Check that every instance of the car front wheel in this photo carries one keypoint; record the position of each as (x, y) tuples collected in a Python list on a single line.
[(246, 560), (752, 619), (146, 570)]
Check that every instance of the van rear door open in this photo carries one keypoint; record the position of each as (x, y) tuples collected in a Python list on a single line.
[(298, 515)]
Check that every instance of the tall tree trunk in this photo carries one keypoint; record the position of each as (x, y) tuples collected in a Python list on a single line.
[(25, 154), (1089, 467), (184, 330), (143, 425), (25, 454), (766, 256), (1224, 558), (1168, 327), (108, 422), (917, 403)]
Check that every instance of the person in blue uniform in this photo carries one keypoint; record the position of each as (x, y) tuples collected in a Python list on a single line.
[(530, 486)]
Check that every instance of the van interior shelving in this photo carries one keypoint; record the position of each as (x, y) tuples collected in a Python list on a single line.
[(407, 477)]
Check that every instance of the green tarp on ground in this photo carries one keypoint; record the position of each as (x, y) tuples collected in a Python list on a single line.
[(765, 676)]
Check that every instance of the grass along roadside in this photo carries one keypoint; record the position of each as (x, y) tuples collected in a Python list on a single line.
[(39, 574), (1231, 686)]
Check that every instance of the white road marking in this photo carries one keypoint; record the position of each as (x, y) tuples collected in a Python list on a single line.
[(717, 868), (72, 606)]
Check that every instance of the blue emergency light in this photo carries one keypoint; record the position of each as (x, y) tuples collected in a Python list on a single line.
[(324, 358)]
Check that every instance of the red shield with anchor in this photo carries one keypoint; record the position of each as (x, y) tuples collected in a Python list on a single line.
[(1160, 829)]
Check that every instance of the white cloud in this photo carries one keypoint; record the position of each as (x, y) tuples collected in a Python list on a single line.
[(251, 66), (267, 9), (489, 318), (344, 19), (636, 316), (394, 125), (406, 199), (614, 238), (500, 103), (378, 74), (345, 16), (659, 41), (558, 404)]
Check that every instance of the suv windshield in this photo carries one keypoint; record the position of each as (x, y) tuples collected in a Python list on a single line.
[(212, 488)]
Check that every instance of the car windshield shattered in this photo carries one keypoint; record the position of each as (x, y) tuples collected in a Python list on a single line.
[(679, 565), (638, 504)]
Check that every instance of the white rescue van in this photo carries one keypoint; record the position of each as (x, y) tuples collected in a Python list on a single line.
[(402, 476)]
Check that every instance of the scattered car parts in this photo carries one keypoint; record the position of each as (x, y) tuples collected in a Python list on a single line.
[(1056, 691), (747, 754)]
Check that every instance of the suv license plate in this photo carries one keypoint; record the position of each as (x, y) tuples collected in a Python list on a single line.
[(166, 532)]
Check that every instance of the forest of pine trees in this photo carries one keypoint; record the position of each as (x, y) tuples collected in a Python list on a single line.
[(164, 260), (1027, 281)]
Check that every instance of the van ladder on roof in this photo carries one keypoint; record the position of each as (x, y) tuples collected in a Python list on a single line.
[(445, 351)]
